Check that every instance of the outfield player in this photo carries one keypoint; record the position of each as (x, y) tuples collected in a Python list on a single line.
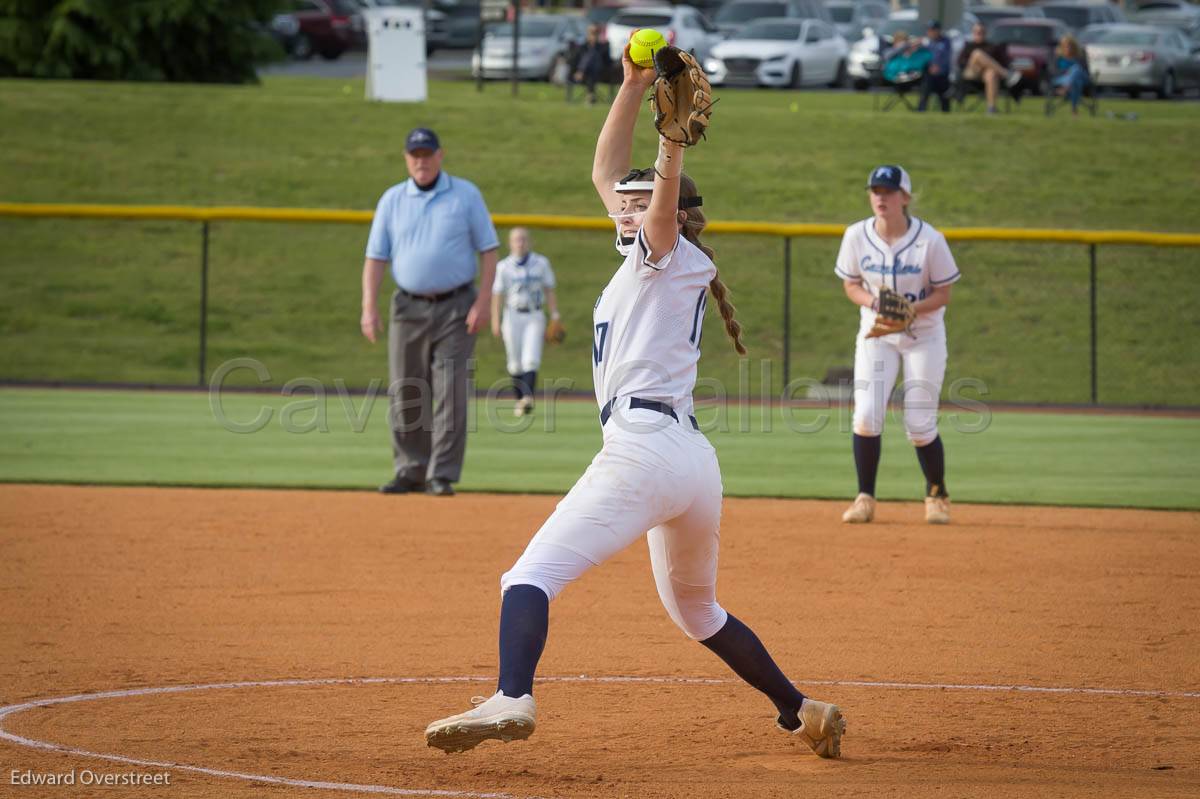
[(527, 282), (907, 254), (656, 475)]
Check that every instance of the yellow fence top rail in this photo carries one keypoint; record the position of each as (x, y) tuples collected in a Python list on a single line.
[(248, 214)]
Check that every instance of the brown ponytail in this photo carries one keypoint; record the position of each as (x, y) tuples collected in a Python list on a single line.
[(692, 227)]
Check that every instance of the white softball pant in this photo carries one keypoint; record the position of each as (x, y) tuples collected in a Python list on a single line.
[(656, 477), (877, 363), (523, 334)]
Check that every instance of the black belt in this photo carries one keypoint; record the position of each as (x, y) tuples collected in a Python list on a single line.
[(445, 295), (527, 309), (649, 405)]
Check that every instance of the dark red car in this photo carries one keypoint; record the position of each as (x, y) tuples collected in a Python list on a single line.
[(328, 27), (1030, 45)]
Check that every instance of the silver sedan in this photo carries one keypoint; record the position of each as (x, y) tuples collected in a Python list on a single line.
[(1139, 58)]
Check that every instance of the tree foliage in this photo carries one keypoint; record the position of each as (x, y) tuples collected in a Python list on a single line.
[(202, 41)]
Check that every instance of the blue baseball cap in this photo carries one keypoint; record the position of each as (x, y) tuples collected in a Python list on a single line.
[(890, 176), (421, 139)]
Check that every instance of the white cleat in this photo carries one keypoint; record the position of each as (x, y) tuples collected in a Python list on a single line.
[(499, 718), (937, 510), (821, 727), (861, 511)]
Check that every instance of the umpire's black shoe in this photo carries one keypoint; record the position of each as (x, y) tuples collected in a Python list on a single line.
[(439, 488), (402, 485)]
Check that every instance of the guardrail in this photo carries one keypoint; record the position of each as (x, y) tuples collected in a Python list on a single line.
[(786, 231)]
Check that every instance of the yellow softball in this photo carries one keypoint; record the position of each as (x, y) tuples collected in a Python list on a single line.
[(643, 44)]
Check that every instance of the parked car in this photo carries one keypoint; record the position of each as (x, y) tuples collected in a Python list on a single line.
[(683, 26), (1092, 32), (864, 63), (328, 27), (459, 27), (1136, 58), (1030, 44), (545, 41), (780, 52), (1078, 14), (1170, 13), (603, 12), (736, 14), (852, 16), (990, 15)]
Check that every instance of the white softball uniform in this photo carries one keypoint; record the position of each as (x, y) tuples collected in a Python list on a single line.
[(914, 266), (523, 325), (656, 474)]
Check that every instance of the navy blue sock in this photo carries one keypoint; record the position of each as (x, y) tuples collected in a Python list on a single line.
[(524, 620), (866, 461), (531, 382), (739, 647), (933, 463), (519, 384)]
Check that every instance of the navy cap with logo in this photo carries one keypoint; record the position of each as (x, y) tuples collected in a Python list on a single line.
[(421, 139), (890, 176), (936, 25)]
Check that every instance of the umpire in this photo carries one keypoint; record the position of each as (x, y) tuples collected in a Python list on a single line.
[(436, 234)]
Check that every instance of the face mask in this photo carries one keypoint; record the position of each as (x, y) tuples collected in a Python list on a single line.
[(624, 244)]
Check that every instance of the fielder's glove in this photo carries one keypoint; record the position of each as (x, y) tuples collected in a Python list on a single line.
[(894, 313), (682, 98), (555, 332)]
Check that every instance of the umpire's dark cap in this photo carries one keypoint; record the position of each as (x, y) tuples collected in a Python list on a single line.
[(421, 139)]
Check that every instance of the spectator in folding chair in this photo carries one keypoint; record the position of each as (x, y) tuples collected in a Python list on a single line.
[(904, 67), (982, 65), (1071, 76), (937, 74)]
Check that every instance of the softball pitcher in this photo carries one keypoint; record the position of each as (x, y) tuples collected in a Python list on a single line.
[(525, 280), (900, 271), (656, 475)]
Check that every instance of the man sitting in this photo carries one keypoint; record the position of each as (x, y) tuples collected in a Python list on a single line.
[(983, 62)]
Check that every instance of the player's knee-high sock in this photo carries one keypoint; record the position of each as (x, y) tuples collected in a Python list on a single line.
[(524, 620), (866, 461), (933, 463), (739, 647), (519, 384), (531, 382)]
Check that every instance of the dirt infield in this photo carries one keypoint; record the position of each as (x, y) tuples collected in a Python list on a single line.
[(910, 628)]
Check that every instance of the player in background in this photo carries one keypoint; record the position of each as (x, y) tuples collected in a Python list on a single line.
[(656, 474), (527, 282), (907, 254)]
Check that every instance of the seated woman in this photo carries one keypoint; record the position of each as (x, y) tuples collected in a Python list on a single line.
[(983, 62), (1071, 71), (906, 61)]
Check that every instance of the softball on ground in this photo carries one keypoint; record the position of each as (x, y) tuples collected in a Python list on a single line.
[(643, 44)]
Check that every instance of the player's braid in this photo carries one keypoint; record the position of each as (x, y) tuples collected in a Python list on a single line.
[(691, 231)]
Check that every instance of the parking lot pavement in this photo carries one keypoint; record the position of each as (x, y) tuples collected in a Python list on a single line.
[(442, 64)]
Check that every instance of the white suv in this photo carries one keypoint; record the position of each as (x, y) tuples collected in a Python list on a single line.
[(684, 27)]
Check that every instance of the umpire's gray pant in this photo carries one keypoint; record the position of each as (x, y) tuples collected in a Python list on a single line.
[(428, 349)]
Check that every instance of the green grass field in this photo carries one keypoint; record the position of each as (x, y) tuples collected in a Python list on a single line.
[(116, 301), (163, 438)]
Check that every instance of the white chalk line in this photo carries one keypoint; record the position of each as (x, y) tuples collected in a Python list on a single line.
[(12, 710)]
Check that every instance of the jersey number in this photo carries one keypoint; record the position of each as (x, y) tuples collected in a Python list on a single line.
[(697, 327), (599, 342)]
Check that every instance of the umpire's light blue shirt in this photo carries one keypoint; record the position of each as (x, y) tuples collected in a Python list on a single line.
[(433, 237)]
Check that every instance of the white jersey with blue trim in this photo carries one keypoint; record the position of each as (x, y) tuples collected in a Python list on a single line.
[(524, 281), (913, 266), (647, 326)]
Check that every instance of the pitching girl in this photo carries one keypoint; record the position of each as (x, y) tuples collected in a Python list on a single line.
[(910, 256), (656, 475), (526, 282)]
